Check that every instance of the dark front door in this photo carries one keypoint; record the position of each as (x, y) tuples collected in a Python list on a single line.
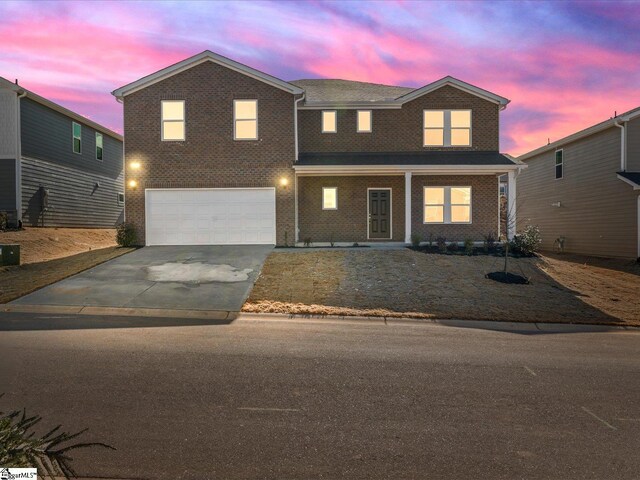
[(379, 214)]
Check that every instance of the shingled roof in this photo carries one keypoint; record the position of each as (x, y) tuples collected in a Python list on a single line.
[(339, 91)]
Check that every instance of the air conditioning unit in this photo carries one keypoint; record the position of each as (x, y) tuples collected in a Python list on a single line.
[(9, 255)]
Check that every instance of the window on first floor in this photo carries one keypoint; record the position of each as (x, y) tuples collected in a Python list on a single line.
[(77, 138), (245, 119), (447, 204), (99, 149), (559, 164), (329, 121), (447, 128), (329, 198), (120, 198), (173, 123)]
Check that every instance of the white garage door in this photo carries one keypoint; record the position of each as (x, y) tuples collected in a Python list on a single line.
[(219, 216)]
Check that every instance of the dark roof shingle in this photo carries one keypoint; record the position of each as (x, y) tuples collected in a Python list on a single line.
[(405, 158), (345, 91), (631, 176)]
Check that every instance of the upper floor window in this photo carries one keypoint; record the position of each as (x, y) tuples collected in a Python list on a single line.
[(98, 146), (77, 138), (329, 121), (329, 198), (559, 164), (447, 204), (173, 120), (245, 119), (447, 128), (364, 121)]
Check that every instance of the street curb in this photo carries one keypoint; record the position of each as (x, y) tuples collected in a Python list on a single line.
[(537, 327), (124, 311)]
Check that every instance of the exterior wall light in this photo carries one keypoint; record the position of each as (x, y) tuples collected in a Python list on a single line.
[(284, 182), (133, 184), (134, 165)]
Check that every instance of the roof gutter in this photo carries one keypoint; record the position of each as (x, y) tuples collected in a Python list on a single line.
[(623, 145)]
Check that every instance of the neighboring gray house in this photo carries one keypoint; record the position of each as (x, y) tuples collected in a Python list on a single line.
[(583, 190), (57, 168)]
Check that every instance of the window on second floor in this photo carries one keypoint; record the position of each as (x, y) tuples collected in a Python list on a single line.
[(173, 123), (447, 128), (559, 164), (364, 121), (99, 149), (329, 121), (77, 138), (245, 119)]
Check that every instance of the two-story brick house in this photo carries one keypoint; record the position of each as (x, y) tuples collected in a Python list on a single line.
[(217, 152)]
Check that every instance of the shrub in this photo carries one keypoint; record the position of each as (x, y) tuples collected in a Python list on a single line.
[(468, 246), (331, 242), (286, 238), (307, 241), (453, 247), (528, 241), (431, 239), (4, 220), (489, 242), (442, 244), (415, 240), (126, 235)]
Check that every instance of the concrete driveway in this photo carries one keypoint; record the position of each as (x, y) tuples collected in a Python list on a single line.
[(182, 277)]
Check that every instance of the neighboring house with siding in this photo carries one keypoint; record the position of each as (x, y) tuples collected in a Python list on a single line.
[(57, 168), (218, 152), (584, 189)]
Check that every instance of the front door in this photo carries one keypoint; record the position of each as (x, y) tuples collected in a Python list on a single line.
[(380, 214)]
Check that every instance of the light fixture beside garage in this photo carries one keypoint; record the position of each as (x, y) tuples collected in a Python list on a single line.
[(134, 165), (133, 184), (284, 181)]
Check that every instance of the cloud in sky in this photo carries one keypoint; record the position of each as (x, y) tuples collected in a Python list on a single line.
[(564, 65)]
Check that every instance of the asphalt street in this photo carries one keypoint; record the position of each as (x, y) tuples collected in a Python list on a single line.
[(304, 400)]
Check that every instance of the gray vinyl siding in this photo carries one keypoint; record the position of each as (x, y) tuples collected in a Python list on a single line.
[(48, 160), (7, 185), (598, 215), (633, 145), (74, 201)]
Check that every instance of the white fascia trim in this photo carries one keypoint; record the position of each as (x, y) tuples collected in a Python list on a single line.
[(626, 180), (206, 56), (351, 106), (460, 85), (402, 169)]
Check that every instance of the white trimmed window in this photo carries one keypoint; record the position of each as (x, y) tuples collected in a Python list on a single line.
[(329, 198), (364, 121), (77, 138), (329, 121), (99, 149), (245, 119), (559, 164), (173, 124), (447, 204), (447, 128)]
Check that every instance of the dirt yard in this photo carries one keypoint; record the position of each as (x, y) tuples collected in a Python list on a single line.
[(43, 244), (402, 282), (16, 281)]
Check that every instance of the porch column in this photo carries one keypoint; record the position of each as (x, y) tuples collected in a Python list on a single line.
[(407, 207), (511, 205)]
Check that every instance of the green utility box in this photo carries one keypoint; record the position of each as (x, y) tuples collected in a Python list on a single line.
[(9, 255)]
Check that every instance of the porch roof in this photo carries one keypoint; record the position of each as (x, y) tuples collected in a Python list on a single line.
[(430, 158)]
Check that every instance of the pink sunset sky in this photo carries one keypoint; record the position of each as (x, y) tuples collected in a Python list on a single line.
[(564, 65)]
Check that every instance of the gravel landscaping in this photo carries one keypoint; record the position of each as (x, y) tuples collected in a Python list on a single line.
[(403, 282)]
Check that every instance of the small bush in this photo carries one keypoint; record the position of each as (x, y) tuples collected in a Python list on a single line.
[(442, 244), (307, 241), (331, 242), (4, 221), (453, 247), (489, 242), (431, 239), (415, 240), (126, 235), (468, 246), (528, 241), (286, 238)]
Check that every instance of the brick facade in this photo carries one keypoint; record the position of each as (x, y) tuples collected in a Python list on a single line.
[(349, 222), (209, 157), (401, 130)]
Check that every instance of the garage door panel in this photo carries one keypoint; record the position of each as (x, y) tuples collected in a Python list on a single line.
[(210, 216)]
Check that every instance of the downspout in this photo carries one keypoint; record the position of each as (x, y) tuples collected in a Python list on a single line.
[(124, 167), (295, 175), (623, 146), (19, 160)]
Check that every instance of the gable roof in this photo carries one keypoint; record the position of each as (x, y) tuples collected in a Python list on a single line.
[(460, 85), (324, 90), (4, 83), (206, 56), (625, 117)]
